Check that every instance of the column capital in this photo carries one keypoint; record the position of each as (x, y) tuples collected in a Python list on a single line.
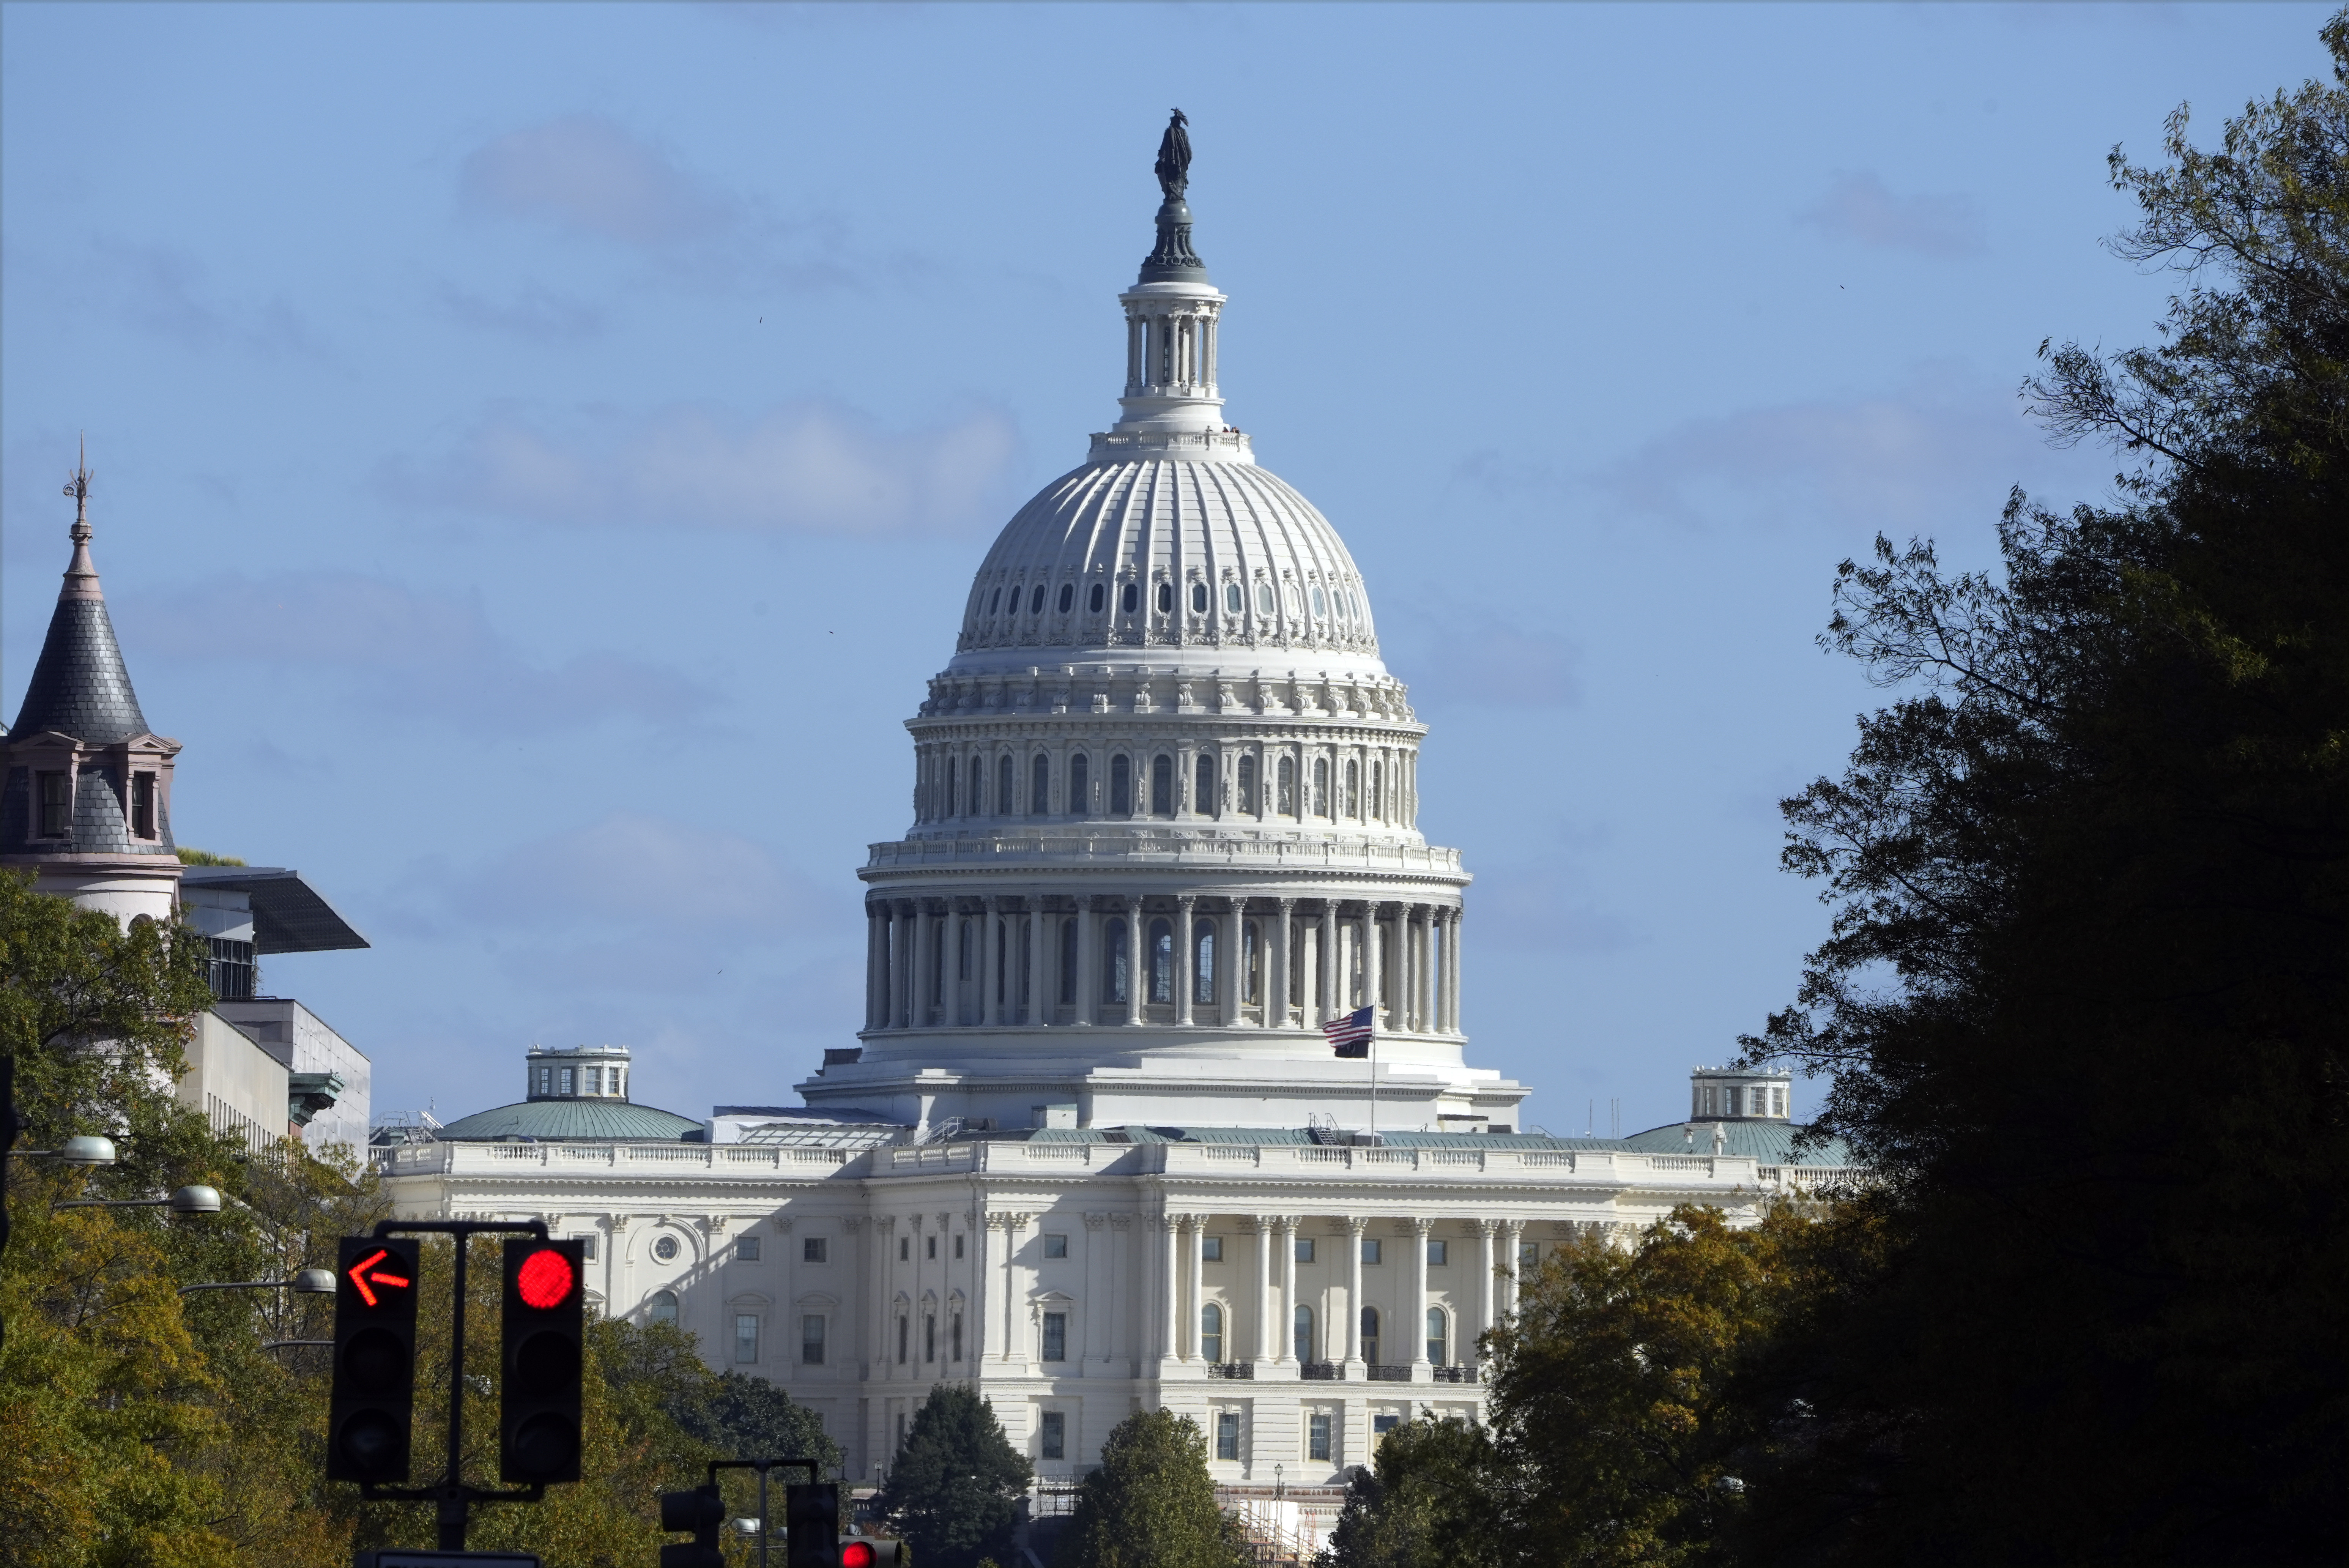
[(1185, 900), (1512, 1228), (1417, 1225), (1285, 904), (885, 1223), (1487, 1227), (1120, 1221), (1355, 1224), (851, 1223)]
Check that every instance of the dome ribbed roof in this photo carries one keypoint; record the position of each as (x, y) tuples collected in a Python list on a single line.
[(1182, 532), (570, 1119)]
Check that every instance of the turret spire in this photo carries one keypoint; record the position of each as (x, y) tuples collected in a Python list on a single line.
[(80, 686), (81, 574)]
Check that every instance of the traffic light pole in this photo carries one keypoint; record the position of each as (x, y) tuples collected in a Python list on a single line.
[(766, 1519), (453, 1496)]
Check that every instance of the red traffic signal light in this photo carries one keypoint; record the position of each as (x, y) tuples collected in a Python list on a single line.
[(545, 1330), (856, 1554), (868, 1552), (371, 1407)]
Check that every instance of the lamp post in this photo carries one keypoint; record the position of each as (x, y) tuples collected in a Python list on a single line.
[(308, 1282), (195, 1199), (88, 1149)]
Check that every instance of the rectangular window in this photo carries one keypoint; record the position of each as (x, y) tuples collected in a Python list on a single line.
[(1373, 1249), (1211, 1249), (1381, 1424), (811, 1340), (957, 1248), (904, 1337), (1438, 1254), (905, 1249), (1056, 1336), (746, 1250), (1317, 1436), (567, 1080), (930, 1247), (142, 804), (812, 1250), (929, 1336), (1056, 1435), (1056, 1246), (957, 1336), (746, 1336), (587, 1248), (1228, 1434), (1529, 1254), (54, 801), (1305, 1248)]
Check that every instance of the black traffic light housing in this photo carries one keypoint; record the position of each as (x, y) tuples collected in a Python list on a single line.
[(812, 1518), (868, 1552), (701, 1511), (372, 1407), (545, 1330)]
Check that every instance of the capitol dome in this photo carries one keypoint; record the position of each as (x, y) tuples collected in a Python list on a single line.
[(1164, 802)]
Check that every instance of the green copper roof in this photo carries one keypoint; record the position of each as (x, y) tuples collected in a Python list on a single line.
[(1770, 1142), (555, 1120)]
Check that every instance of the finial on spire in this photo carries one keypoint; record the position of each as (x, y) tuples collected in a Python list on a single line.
[(1173, 260), (78, 487)]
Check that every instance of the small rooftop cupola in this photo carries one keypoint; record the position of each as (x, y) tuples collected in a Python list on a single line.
[(1733, 1095), (1171, 314), (86, 797), (578, 1073)]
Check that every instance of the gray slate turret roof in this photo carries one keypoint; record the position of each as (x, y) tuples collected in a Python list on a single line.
[(80, 686)]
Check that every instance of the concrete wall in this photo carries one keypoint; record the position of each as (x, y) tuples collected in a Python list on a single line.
[(237, 1084), (304, 1043)]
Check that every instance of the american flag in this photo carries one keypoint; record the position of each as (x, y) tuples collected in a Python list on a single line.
[(1350, 1035)]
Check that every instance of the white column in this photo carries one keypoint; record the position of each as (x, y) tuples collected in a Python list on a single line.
[(1512, 1238), (1267, 1349), (1096, 1306), (1287, 1244), (1487, 1284), (878, 1312), (1276, 961), (1011, 1224), (1373, 966), (1171, 1292), (1137, 979), (925, 965), (1231, 941), (876, 966), (992, 965), (1089, 959), (1355, 1225), (901, 939), (1183, 981), (1040, 1006), (1419, 1228), (1326, 1006), (1195, 1293)]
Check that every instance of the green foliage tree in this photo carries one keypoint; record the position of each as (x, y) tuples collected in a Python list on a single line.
[(954, 1490), (2082, 997), (1432, 1495), (1152, 1503)]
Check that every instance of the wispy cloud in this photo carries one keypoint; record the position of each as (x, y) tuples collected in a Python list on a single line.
[(171, 294), (584, 173), (397, 651), (532, 312), (1861, 206), (801, 468)]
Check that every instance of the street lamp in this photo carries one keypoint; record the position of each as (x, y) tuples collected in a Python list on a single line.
[(84, 1149), (308, 1282), (192, 1200), (1277, 1471)]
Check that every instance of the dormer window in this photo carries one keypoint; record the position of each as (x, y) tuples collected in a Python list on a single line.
[(1099, 594), (56, 803), (1165, 599), (1131, 600), (1198, 599), (142, 804), (1067, 597)]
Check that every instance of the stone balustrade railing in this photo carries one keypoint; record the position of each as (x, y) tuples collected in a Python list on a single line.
[(1184, 850)]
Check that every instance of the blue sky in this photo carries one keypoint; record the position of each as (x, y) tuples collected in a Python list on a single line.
[(541, 450)]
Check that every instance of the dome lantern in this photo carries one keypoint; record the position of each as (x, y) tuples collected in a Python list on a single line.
[(1171, 316)]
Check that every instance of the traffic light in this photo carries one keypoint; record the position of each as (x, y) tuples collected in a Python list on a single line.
[(545, 1331), (868, 1552), (374, 1398), (811, 1516), (701, 1511)]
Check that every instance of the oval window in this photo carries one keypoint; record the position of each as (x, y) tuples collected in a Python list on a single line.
[(1264, 598), (665, 1249), (1036, 600), (1131, 600), (1231, 598), (1067, 597), (1198, 599), (1100, 592), (1165, 599), (1320, 606), (1288, 592)]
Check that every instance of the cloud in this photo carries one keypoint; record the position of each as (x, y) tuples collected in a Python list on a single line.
[(533, 312), (802, 468), (1897, 460), (1859, 206), (584, 173), (171, 293), (407, 652)]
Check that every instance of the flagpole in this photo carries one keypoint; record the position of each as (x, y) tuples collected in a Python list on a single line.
[(1374, 1078)]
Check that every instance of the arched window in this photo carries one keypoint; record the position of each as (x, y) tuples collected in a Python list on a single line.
[(1287, 806), (962, 959), (1161, 960), (1036, 600), (1113, 975), (1067, 597), (1099, 594), (1320, 786), (1233, 604), (1251, 962), (1039, 785), (1005, 803), (1264, 598), (1121, 785), (1165, 599), (1353, 788), (1203, 962), (1203, 781), (938, 963), (1162, 786), (1211, 1332), (977, 787), (995, 601), (662, 1308), (1436, 1335), (1130, 599), (1068, 961), (1370, 1334), (1378, 791), (1247, 785), (1320, 604), (954, 777), (1081, 794), (1198, 599), (1303, 1331)]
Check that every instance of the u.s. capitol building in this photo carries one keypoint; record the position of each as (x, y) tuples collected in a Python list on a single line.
[(1093, 1152)]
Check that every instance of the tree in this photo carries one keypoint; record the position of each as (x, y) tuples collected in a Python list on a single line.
[(1152, 1503), (2083, 996), (1430, 1496), (954, 1491)]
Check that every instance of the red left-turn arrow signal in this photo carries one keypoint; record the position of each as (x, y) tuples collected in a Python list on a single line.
[(362, 1275)]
